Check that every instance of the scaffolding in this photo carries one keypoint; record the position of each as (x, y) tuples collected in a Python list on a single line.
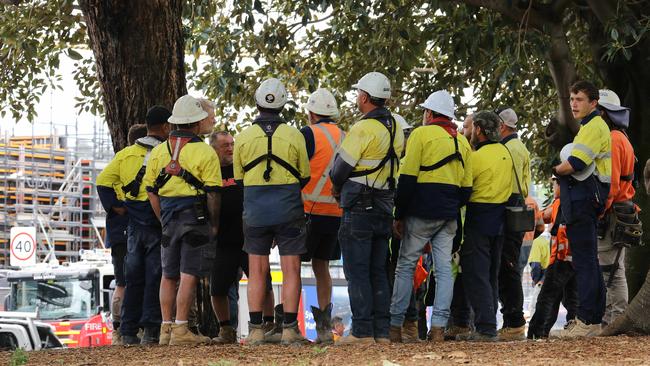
[(48, 182)]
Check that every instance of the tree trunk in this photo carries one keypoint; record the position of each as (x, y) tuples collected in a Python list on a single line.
[(635, 318), (139, 53)]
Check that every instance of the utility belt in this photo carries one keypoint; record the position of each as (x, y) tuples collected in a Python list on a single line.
[(369, 199), (627, 229)]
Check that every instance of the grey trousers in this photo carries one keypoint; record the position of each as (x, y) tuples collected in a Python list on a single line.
[(617, 294)]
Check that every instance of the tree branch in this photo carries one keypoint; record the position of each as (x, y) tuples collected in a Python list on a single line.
[(536, 19)]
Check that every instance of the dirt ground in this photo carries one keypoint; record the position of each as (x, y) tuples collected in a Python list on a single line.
[(621, 350)]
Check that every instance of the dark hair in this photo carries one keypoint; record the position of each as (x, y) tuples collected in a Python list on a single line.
[(586, 87), (157, 115), (136, 132), (377, 102), (269, 110), (186, 126)]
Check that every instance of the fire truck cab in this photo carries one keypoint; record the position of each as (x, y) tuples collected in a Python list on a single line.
[(72, 297)]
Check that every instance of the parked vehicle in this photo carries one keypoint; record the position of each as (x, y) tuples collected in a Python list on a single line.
[(21, 330)]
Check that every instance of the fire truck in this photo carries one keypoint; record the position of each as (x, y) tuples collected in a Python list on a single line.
[(73, 297)]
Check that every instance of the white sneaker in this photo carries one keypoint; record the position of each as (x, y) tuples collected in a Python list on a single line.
[(578, 329)]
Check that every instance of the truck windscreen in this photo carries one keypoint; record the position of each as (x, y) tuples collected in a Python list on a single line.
[(55, 299)]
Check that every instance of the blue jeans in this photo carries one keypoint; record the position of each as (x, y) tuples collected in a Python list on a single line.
[(141, 305), (364, 240), (417, 232)]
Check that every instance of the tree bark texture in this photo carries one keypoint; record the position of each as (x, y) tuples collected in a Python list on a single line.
[(139, 52)]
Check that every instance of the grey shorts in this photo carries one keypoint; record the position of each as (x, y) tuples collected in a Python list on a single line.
[(289, 237), (186, 247)]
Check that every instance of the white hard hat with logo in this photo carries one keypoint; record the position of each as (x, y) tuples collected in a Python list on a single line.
[(440, 102), (584, 173), (402, 122), (375, 84), (323, 103), (187, 109), (271, 94)]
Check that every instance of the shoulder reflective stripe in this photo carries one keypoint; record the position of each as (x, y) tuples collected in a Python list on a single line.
[(328, 136), (369, 162), (585, 149), (603, 178), (603, 155), (347, 158)]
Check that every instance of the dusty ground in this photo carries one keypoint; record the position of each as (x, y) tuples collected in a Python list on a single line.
[(598, 351)]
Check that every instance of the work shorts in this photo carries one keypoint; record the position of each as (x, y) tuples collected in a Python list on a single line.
[(289, 237), (186, 246)]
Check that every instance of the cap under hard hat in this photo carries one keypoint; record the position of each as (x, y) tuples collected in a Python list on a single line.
[(509, 117), (271, 94), (323, 103), (187, 109), (584, 173), (375, 84), (440, 102), (619, 115), (402, 122)]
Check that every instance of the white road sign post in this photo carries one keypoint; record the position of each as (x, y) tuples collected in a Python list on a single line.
[(23, 246)]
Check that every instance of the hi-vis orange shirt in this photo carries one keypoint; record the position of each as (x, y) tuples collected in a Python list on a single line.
[(559, 243), (317, 194), (621, 188)]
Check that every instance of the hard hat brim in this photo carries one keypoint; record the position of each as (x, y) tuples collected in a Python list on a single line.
[(583, 174), (187, 119), (424, 106)]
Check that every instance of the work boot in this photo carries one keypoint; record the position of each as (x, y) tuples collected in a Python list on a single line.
[(476, 337), (436, 334), (291, 335), (130, 340), (181, 335), (227, 335), (512, 334), (117, 338), (275, 334), (395, 334), (578, 329), (382, 340), (453, 331), (410, 332), (350, 339), (323, 319), (151, 336), (256, 335), (165, 334), (268, 326)]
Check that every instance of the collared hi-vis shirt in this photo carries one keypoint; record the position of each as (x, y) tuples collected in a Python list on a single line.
[(491, 188), (439, 193), (621, 188), (521, 157), (593, 144), (279, 199), (197, 158)]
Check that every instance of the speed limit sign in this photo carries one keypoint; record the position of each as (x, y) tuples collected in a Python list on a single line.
[(23, 246)]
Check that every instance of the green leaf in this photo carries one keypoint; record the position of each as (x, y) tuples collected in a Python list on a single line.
[(74, 54), (614, 34)]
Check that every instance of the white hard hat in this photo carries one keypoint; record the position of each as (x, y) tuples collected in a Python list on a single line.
[(374, 83), (610, 101), (509, 117), (323, 103), (583, 174), (271, 94), (402, 122), (187, 109), (440, 102)]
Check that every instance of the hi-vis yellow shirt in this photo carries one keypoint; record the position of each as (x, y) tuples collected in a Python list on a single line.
[(365, 146), (521, 157), (288, 144), (122, 170), (492, 174), (593, 143), (198, 158)]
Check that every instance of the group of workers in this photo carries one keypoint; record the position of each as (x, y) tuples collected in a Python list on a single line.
[(180, 210)]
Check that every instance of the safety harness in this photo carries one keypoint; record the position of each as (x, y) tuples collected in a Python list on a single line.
[(268, 126), (447, 159), (391, 156), (148, 142), (174, 168)]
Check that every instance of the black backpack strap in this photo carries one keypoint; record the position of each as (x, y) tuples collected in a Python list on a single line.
[(456, 155), (269, 156), (391, 155)]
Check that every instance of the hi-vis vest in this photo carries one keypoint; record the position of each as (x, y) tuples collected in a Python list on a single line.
[(317, 194), (559, 242)]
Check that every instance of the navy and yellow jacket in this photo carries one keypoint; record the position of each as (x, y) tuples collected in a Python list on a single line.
[(491, 187), (433, 194)]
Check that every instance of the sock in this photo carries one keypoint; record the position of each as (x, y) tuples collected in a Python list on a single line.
[(290, 318), (225, 323), (181, 321), (269, 319), (256, 317)]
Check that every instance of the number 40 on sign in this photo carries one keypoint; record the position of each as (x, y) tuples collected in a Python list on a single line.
[(23, 246)]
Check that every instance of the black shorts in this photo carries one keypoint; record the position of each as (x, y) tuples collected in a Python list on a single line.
[(186, 248), (320, 245), (118, 252), (289, 237), (226, 271)]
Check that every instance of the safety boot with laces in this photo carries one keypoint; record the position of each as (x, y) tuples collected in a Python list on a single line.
[(227, 335), (512, 334), (323, 319), (350, 339), (436, 334), (181, 335), (410, 332), (255, 335), (579, 329), (291, 335), (395, 334), (117, 338), (453, 331), (275, 334), (165, 334)]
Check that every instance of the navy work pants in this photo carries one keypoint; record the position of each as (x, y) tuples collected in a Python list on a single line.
[(511, 293), (364, 237), (141, 305)]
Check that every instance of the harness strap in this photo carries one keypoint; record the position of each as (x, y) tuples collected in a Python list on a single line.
[(174, 167), (390, 156), (269, 156), (447, 159), (133, 188)]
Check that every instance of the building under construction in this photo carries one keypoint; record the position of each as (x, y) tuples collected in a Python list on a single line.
[(48, 182)]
